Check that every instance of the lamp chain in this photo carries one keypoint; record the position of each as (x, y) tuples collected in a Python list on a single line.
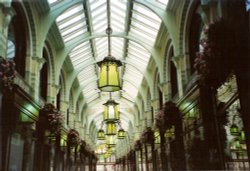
[(109, 30), (110, 95)]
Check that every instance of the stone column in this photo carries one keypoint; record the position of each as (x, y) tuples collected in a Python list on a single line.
[(180, 64), (156, 107), (143, 124), (165, 88), (6, 14), (150, 119), (64, 105), (53, 90), (33, 74)]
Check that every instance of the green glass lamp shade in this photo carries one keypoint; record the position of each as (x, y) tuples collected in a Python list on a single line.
[(109, 80), (106, 155), (111, 112), (111, 141), (234, 130), (100, 135), (111, 128), (121, 134), (242, 137), (238, 145)]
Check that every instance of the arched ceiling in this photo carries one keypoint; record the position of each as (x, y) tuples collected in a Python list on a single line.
[(135, 29)]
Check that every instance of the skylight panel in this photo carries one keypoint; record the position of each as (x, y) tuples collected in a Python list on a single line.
[(90, 87), (98, 11), (145, 24), (81, 54), (130, 91), (148, 29), (95, 96), (86, 74), (70, 12), (90, 93), (137, 49), (138, 33), (72, 29), (53, 2), (118, 15), (65, 24), (143, 10), (101, 47), (72, 36), (131, 72), (131, 68), (164, 2), (85, 81), (95, 4), (117, 45), (128, 97), (72, 23)]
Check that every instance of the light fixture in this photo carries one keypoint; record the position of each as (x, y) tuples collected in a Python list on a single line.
[(121, 134), (111, 112), (109, 80), (101, 134), (110, 128), (242, 137), (111, 141), (234, 130)]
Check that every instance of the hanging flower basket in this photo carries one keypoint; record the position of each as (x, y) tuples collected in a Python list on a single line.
[(73, 138), (137, 145), (147, 136), (7, 72), (167, 116), (160, 119), (55, 121), (215, 60), (53, 118)]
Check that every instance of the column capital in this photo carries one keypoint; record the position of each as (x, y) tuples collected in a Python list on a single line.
[(165, 86), (178, 60), (9, 12), (155, 103), (55, 86), (40, 60)]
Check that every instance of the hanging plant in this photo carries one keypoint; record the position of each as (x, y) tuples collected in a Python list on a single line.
[(147, 136), (167, 116), (7, 72), (73, 138), (160, 120), (214, 62), (55, 121), (137, 145), (53, 118)]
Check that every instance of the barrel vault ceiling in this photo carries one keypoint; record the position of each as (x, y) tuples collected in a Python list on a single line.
[(82, 26)]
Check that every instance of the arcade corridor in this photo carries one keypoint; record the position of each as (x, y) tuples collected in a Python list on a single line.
[(124, 85)]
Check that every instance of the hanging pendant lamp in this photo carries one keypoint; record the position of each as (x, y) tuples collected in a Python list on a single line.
[(101, 134), (109, 80), (121, 134), (111, 141), (111, 112), (110, 128)]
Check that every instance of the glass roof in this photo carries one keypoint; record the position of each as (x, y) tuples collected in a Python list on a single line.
[(72, 23), (129, 20)]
